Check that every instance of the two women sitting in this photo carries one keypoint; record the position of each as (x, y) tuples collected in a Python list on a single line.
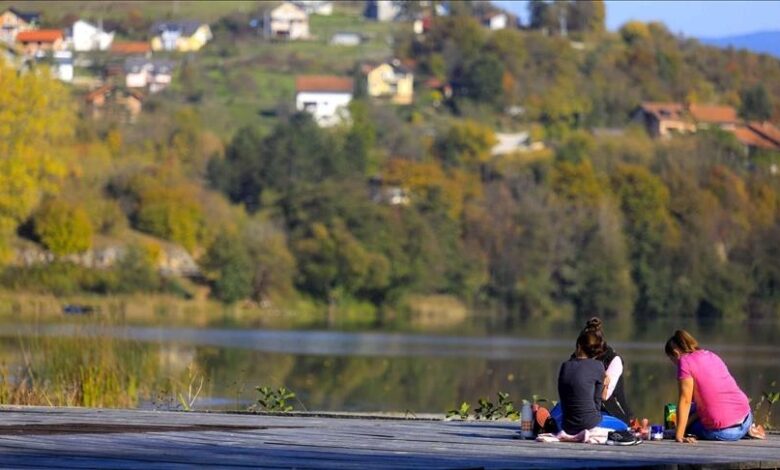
[(711, 405)]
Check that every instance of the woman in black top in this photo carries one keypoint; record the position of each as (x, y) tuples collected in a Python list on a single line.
[(580, 386), (614, 400)]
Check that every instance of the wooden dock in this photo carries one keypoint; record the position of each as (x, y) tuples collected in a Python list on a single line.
[(36, 437)]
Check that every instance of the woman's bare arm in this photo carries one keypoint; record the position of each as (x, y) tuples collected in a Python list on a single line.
[(684, 409)]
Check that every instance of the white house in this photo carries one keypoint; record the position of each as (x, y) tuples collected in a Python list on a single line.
[(512, 143), (325, 97), (316, 7), (88, 37), (382, 10), (496, 20), (141, 72), (287, 21), (62, 65)]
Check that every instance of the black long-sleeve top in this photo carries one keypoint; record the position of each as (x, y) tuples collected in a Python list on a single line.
[(580, 383)]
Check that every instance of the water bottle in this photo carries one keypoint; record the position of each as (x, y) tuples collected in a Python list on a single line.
[(526, 422)]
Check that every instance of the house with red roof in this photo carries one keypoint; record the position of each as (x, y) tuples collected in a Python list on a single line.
[(40, 41), (664, 119), (756, 136), (116, 100), (325, 97), (708, 116), (131, 48)]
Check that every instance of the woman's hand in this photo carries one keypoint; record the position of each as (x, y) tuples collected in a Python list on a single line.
[(686, 440)]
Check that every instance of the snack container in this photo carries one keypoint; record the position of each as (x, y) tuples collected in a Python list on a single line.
[(657, 432), (670, 416)]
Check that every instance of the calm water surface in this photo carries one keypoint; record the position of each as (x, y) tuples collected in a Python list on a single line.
[(373, 371)]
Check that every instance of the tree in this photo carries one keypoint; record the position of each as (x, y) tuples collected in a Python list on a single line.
[(63, 228), (170, 211), (577, 146), (481, 80), (296, 152), (540, 15), (509, 47), (634, 31), (228, 258), (332, 261), (466, 143), (272, 263), (756, 103), (577, 183), (359, 140), (137, 269), (586, 16), (644, 201), (598, 278), (36, 119), (242, 173)]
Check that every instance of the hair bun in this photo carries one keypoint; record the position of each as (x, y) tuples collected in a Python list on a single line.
[(593, 324)]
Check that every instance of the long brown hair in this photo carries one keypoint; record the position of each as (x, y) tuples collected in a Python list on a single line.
[(591, 339), (682, 342)]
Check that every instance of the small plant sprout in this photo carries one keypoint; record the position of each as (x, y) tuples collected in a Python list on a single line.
[(506, 408), (503, 409), (274, 400), (486, 409), (462, 412), (769, 397), (188, 402)]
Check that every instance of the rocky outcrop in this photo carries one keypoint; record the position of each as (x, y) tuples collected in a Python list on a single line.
[(173, 260)]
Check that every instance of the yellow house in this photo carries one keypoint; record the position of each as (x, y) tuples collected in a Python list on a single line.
[(181, 36), (389, 80), (13, 22)]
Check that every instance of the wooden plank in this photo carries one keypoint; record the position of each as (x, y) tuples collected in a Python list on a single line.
[(83, 438)]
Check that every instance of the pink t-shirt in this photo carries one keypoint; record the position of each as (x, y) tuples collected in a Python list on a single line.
[(720, 403)]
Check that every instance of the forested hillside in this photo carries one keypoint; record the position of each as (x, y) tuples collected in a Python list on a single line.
[(600, 220)]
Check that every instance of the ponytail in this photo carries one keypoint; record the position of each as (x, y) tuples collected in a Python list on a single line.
[(682, 342), (594, 324)]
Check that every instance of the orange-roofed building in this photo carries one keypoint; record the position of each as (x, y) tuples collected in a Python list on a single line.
[(664, 119), (705, 116), (767, 131), (751, 139), (115, 100), (38, 41), (131, 47), (325, 97)]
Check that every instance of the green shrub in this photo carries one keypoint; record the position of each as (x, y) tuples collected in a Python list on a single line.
[(63, 228)]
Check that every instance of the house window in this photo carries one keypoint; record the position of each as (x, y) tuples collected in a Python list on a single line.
[(309, 106)]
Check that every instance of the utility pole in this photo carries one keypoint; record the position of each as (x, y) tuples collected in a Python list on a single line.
[(562, 18)]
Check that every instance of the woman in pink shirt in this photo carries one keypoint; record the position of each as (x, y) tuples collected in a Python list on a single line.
[(721, 409)]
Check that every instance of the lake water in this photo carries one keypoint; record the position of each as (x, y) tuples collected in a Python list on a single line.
[(422, 373)]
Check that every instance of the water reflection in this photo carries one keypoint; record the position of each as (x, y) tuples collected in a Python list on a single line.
[(345, 371)]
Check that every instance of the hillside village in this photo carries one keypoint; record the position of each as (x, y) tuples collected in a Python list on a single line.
[(133, 72), (454, 110)]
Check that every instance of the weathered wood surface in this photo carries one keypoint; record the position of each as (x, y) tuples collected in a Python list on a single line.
[(32, 437)]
